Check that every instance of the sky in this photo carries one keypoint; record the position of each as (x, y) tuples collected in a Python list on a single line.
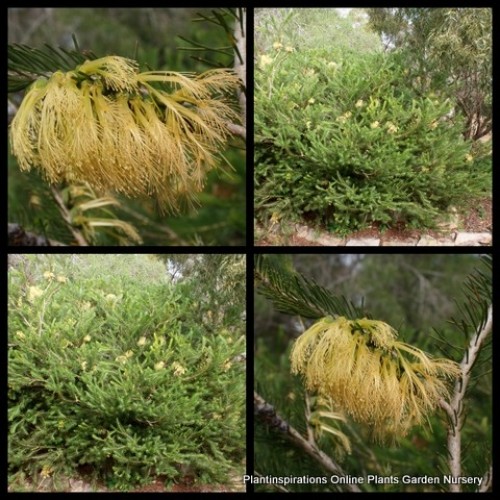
[(344, 12)]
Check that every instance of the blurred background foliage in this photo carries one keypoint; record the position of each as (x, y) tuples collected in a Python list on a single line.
[(314, 28), (152, 36), (417, 295)]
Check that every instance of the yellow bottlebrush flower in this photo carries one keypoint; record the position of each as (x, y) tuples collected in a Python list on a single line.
[(20, 335), (87, 338), (265, 60), (154, 133), (84, 365), (34, 292), (359, 104), (311, 100), (124, 357), (159, 366), (48, 275), (433, 125), (142, 341), (61, 279), (376, 379), (46, 471), (391, 128), (343, 118), (277, 45), (375, 124), (289, 49), (469, 158), (178, 369)]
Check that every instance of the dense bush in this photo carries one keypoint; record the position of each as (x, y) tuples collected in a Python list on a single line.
[(120, 374), (342, 139)]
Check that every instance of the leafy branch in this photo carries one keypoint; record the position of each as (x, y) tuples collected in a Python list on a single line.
[(266, 413), (293, 293), (26, 64)]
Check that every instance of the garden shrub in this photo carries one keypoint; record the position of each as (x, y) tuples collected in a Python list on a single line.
[(120, 375), (345, 140)]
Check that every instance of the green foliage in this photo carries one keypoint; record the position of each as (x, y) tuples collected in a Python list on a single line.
[(344, 141), (312, 28), (447, 50), (224, 18), (293, 293), (26, 63), (111, 366)]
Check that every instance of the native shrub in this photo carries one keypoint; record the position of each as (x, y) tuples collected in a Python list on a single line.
[(120, 376), (345, 140)]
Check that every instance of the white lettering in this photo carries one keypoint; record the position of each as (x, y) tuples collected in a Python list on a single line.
[(383, 479), (421, 480), (347, 480), (463, 480)]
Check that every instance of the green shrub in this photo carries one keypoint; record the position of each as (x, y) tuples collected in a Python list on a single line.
[(121, 375), (346, 141)]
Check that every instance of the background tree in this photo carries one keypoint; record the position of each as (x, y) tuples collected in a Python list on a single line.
[(450, 52), (210, 39), (317, 441), (222, 301)]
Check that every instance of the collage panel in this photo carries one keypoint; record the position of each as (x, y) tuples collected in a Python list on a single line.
[(126, 373), (127, 126), (373, 127), (372, 373)]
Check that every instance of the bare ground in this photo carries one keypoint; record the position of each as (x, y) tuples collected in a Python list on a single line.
[(83, 483), (477, 218)]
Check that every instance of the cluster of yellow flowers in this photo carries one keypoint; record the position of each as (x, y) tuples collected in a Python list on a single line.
[(364, 369), (278, 46), (152, 133), (49, 275), (343, 118)]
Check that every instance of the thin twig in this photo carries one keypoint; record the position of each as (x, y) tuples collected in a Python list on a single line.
[(311, 448), (455, 409), (67, 218), (240, 66), (237, 130)]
